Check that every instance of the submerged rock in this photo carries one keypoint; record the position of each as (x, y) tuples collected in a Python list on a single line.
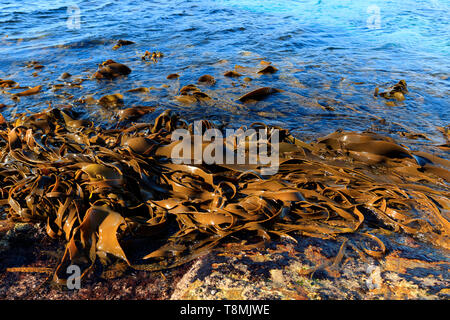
[(111, 70), (121, 43)]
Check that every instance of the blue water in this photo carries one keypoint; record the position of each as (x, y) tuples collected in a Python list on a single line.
[(330, 54)]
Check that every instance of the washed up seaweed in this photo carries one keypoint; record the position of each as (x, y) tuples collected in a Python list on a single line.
[(115, 195)]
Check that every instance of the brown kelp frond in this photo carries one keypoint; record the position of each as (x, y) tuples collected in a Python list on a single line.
[(116, 194)]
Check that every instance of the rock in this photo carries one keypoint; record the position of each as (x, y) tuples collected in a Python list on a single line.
[(188, 88), (111, 70), (232, 74), (207, 79), (173, 76), (121, 43), (65, 75), (258, 94), (397, 91)]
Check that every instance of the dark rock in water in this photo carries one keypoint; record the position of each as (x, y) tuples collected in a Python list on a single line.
[(200, 95), (121, 43), (232, 74), (188, 88), (154, 56), (111, 100), (7, 83), (140, 144), (65, 75), (111, 70), (268, 70), (258, 94), (173, 76), (207, 79)]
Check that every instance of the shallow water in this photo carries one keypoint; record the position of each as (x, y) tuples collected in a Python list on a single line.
[(331, 54)]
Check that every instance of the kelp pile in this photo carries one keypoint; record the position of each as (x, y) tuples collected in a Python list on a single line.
[(109, 192)]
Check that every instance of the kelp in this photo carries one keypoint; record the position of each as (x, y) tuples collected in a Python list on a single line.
[(120, 43), (110, 69), (173, 76), (396, 92), (116, 195), (207, 79), (29, 92), (268, 70), (153, 56)]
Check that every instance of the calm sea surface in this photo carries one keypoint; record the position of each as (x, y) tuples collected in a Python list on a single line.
[(331, 54)]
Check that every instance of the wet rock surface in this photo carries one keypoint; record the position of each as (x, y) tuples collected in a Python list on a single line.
[(283, 269), (306, 270)]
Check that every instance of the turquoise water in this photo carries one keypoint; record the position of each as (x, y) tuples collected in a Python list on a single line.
[(330, 54)]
